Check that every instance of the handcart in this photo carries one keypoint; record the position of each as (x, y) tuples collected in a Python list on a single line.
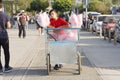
[(62, 47)]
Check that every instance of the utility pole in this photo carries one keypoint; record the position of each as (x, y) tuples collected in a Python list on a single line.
[(77, 6), (86, 9), (49, 3)]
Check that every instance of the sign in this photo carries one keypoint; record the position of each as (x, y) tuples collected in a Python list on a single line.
[(85, 6)]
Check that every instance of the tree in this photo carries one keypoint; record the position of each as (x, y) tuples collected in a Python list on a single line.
[(38, 5), (102, 6), (24, 4), (80, 8), (115, 1), (62, 5)]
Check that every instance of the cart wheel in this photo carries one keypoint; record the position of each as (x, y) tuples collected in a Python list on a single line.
[(79, 63), (48, 64)]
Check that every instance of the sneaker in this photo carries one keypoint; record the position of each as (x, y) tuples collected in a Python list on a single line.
[(42, 34), (1, 72), (9, 69), (56, 67)]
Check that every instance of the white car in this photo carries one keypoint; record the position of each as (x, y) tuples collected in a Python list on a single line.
[(97, 24), (118, 31), (95, 14)]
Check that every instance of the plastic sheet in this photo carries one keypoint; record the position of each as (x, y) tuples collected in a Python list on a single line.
[(63, 53)]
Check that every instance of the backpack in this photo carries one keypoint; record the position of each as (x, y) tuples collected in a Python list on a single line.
[(22, 21)]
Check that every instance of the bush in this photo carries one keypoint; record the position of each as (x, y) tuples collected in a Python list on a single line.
[(99, 6), (62, 5), (38, 5)]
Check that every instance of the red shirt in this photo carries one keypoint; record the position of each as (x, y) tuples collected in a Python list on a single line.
[(57, 23)]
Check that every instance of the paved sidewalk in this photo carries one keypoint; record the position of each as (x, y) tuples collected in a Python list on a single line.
[(28, 60), (104, 55)]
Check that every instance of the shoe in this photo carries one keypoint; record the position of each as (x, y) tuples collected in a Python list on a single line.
[(42, 34), (56, 67), (9, 69), (24, 36), (1, 72)]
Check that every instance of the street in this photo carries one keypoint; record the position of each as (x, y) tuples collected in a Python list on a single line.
[(28, 58), (69, 49), (102, 54), (100, 59)]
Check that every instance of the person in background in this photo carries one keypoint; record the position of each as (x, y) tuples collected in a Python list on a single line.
[(4, 40), (27, 20), (22, 25), (36, 20), (39, 20), (56, 22), (84, 20)]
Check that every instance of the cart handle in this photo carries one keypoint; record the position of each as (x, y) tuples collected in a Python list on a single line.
[(51, 36), (62, 28)]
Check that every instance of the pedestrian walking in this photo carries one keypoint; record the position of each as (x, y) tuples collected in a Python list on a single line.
[(36, 20), (22, 25), (85, 17), (4, 40), (42, 21), (39, 20)]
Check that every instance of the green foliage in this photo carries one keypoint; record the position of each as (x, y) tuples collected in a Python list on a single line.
[(115, 1), (80, 8), (62, 5), (38, 5), (24, 4), (7, 9), (102, 6)]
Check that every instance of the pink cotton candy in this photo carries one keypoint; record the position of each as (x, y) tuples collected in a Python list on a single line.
[(73, 20), (67, 36), (46, 19), (80, 20), (43, 19)]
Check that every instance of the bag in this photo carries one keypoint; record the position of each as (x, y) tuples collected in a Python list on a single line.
[(22, 21)]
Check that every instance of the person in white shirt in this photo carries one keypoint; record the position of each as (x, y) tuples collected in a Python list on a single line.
[(38, 21)]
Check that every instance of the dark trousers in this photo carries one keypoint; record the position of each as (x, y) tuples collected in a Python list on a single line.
[(4, 43), (22, 29)]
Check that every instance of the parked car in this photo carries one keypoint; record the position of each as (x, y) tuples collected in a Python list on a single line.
[(95, 14), (97, 24), (118, 31), (109, 25)]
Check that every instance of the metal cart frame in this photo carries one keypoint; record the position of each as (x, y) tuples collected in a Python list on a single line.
[(48, 63)]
